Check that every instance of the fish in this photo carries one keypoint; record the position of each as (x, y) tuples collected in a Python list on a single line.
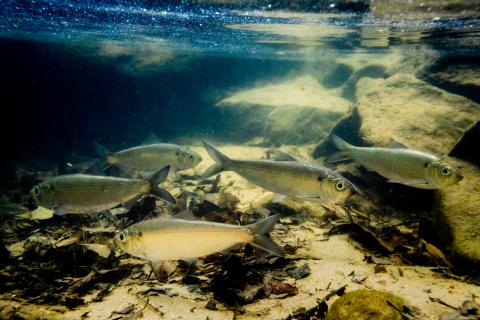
[(11, 208), (84, 193), (150, 157), (286, 178), (161, 239), (399, 164)]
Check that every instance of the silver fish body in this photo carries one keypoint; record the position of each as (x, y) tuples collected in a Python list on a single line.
[(82, 193), (175, 239), (151, 157), (294, 179), (401, 165)]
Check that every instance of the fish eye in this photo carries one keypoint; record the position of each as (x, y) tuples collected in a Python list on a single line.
[(36, 191), (191, 157), (446, 171), (340, 185), (122, 236)]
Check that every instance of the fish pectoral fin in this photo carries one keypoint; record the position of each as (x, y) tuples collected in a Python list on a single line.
[(282, 156), (278, 197)]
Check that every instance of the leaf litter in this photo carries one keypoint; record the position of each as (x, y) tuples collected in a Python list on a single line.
[(69, 261)]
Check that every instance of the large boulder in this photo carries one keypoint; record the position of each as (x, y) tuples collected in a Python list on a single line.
[(413, 112), (455, 74), (367, 304), (294, 111), (424, 117), (421, 116), (456, 216)]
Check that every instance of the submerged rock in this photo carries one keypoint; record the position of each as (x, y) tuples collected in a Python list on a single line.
[(273, 111), (420, 116), (455, 74), (412, 112), (456, 217), (466, 148), (367, 304), (370, 71)]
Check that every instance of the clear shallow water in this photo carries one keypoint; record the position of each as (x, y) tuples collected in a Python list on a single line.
[(75, 72), (82, 71)]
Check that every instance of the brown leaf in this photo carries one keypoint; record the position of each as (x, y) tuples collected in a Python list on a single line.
[(434, 253), (277, 287)]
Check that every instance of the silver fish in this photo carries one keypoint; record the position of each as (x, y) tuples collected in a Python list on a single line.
[(11, 208), (151, 157), (296, 179), (401, 165), (82, 193), (176, 239)]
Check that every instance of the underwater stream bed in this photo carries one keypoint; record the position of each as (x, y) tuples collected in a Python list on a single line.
[(276, 84)]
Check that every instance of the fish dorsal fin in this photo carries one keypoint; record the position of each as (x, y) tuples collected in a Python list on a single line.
[(282, 156), (151, 139), (185, 215), (393, 144)]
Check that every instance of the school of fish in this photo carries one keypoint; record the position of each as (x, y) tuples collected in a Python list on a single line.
[(180, 238)]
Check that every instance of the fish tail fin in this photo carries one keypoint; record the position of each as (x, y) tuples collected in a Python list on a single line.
[(339, 143), (103, 153), (157, 178), (220, 161), (343, 148), (259, 230)]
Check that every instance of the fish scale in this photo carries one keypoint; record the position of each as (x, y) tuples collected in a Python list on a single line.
[(82, 193), (292, 178), (286, 167), (413, 168), (151, 157), (165, 225), (176, 239)]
